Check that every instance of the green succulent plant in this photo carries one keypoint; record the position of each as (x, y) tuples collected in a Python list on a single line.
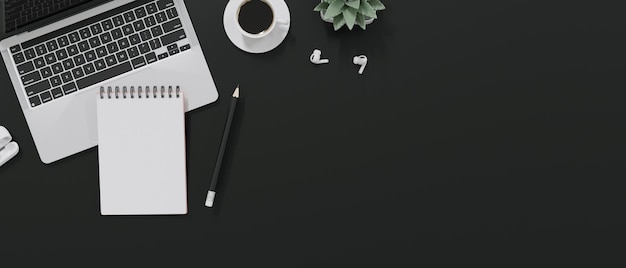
[(349, 12)]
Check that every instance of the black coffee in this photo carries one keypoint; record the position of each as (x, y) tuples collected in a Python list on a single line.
[(255, 16)]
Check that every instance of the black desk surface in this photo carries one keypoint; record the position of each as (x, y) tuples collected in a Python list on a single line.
[(480, 131)]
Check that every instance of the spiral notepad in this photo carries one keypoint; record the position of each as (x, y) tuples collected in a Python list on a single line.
[(141, 150)]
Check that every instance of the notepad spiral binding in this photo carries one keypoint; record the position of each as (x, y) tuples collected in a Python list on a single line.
[(148, 92)]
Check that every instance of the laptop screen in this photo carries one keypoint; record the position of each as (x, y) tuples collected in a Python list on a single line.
[(17, 14)]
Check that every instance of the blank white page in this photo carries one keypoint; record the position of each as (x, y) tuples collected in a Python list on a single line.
[(141, 154)]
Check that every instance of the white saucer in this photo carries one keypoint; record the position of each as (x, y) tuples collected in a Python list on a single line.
[(257, 45)]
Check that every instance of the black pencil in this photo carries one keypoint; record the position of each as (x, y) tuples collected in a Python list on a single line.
[(233, 105)]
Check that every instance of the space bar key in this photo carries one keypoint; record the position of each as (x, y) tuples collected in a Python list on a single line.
[(103, 75)]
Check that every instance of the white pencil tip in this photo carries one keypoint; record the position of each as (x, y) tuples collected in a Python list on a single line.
[(209, 199), (236, 93)]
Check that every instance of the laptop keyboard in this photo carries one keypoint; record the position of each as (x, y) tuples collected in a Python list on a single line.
[(78, 56)]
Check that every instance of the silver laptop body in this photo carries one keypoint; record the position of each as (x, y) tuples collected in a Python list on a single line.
[(62, 120)]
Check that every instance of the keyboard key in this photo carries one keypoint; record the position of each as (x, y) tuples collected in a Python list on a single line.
[(138, 62), (117, 34), (52, 45), (134, 39), (133, 52), (63, 41), (112, 47), (46, 72), (155, 43), (100, 64), (89, 68), (55, 81), (41, 49), (37, 88), (163, 56), (172, 13), (128, 30), (34, 101), (172, 47), (57, 68), (69, 88), (151, 8), (121, 56), (157, 31), (79, 60), (107, 25), (18, 58), (139, 25), (173, 52), (67, 77), (104, 75), (145, 35), (57, 93), (50, 58), (140, 12), (68, 64), (61, 54), (94, 41), (31, 78), (72, 50), (172, 25), (161, 17), (30, 54), (25, 68), (150, 21), (185, 47), (173, 37), (101, 51), (45, 97), (74, 37), (96, 29), (129, 16), (83, 46), (151, 57), (110, 60), (123, 43), (78, 72), (39, 62), (90, 56), (144, 48), (84, 33), (118, 21), (15, 48), (163, 4), (106, 38)]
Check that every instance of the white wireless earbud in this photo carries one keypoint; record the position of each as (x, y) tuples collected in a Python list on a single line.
[(360, 60), (8, 148), (316, 57)]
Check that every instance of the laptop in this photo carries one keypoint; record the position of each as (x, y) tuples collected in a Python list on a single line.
[(58, 53)]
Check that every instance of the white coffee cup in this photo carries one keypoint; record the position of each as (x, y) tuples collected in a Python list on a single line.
[(277, 24)]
